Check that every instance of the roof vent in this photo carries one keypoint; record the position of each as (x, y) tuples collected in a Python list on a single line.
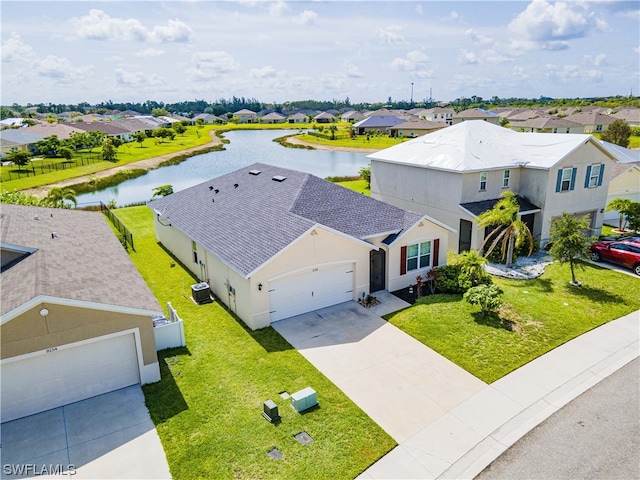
[(254, 172), (210, 188), (235, 185), (279, 178), (216, 191)]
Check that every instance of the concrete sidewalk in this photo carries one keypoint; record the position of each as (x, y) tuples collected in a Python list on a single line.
[(462, 442)]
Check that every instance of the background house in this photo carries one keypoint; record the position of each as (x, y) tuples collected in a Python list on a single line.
[(76, 317), (476, 114), (377, 124), (624, 178), (274, 243), (415, 128), (273, 117), (456, 173), (245, 116)]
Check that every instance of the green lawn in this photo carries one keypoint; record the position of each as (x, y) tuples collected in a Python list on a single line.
[(359, 186), (376, 142), (127, 153), (207, 405), (540, 315)]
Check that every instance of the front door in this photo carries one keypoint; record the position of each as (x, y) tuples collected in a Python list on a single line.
[(377, 270), (464, 240)]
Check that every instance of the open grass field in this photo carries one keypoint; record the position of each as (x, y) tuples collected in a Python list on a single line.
[(378, 142), (207, 405), (538, 316), (359, 186)]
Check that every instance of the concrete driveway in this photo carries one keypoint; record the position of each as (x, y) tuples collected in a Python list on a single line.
[(399, 382), (108, 436)]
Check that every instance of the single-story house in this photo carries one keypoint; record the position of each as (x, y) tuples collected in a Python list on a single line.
[(592, 121), (415, 128), (61, 130), (76, 316), (456, 173), (273, 243), (377, 124), (110, 129), (476, 114), (325, 117), (352, 116), (546, 124), (273, 117), (631, 115), (298, 118), (209, 118), (18, 139), (245, 116)]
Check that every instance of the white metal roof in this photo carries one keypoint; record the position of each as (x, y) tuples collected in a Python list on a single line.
[(477, 145)]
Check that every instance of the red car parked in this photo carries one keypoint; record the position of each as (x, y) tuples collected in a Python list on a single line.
[(624, 252)]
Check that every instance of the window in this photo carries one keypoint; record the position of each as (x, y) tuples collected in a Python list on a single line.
[(598, 128), (566, 179), (418, 256), (483, 181), (505, 178), (194, 247), (594, 176)]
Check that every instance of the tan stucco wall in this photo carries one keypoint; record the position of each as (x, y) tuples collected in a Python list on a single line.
[(625, 185), (31, 332)]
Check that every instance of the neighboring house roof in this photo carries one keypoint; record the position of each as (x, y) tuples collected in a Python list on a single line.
[(631, 115), (299, 116), (273, 116), (352, 114), (61, 130), (476, 208), (132, 124), (591, 118), (475, 113), (325, 115), (12, 122), (109, 128), (419, 125), (545, 122), (379, 121), (623, 155), (253, 217), (620, 168), (84, 263), (20, 136), (245, 111), (478, 146)]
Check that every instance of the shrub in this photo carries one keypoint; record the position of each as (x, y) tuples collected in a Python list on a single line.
[(447, 279), (488, 297)]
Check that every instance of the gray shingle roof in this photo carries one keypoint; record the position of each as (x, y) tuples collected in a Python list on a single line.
[(480, 207), (379, 121), (247, 225), (86, 262)]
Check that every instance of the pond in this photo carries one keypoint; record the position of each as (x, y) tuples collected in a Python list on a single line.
[(245, 147)]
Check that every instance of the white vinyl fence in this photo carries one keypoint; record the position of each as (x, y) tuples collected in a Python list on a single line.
[(169, 332)]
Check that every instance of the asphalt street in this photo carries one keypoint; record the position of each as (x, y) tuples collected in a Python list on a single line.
[(595, 436)]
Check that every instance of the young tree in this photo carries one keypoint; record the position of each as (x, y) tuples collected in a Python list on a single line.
[(57, 195), (488, 297), (622, 205), (618, 133), (109, 151), (18, 157), (570, 242), (139, 137), (509, 231), (365, 174), (48, 146), (179, 128), (65, 152), (159, 112), (633, 216)]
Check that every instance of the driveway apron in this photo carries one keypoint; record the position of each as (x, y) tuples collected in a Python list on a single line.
[(399, 382), (107, 436)]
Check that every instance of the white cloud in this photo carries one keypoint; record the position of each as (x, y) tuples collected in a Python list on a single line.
[(351, 70), (60, 69), (138, 79), (549, 25), (14, 49), (150, 52), (209, 65), (454, 15), (478, 38), (308, 17), (414, 62), (391, 35), (98, 25), (468, 57), (419, 10), (278, 8), (265, 72)]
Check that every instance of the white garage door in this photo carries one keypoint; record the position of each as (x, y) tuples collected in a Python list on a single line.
[(66, 375), (310, 291)]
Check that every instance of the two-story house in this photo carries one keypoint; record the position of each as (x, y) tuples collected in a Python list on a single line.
[(456, 173)]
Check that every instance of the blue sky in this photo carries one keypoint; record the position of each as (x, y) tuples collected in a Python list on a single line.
[(74, 51)]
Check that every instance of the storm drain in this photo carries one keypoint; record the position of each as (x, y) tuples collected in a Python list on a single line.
[(275, 453), (304, 438)]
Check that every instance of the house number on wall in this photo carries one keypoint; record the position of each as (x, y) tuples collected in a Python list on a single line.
[(52, 349)]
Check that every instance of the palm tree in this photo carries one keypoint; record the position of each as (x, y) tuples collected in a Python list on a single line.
[(57, 196), (510, 232)]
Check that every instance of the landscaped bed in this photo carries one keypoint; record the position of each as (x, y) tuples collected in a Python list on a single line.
[(538, 315), (207, 406)]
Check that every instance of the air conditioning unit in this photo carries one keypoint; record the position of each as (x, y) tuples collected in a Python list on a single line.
[(201, 293), (304, 399)]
